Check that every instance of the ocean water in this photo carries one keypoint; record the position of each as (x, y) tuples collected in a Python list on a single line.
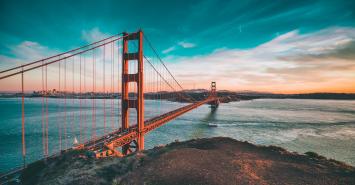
[(323, 126)]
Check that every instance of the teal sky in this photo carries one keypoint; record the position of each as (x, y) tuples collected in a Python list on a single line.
[(180, 30), (211, 24)]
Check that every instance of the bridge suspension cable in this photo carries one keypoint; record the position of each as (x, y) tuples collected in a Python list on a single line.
[(57, 60), (58, 55), (187, 96)]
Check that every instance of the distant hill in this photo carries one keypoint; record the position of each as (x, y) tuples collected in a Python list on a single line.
[(334, 96), (247, 95)]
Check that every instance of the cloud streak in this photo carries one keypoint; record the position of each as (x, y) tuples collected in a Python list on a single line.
[(93, 35), (25, 52), (292, 62), (186, 44), (168, 50), (179, 45)]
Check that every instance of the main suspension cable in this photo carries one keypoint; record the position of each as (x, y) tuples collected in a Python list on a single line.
[(161, 61)]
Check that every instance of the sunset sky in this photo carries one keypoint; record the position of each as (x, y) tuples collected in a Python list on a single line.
[(270, 46)]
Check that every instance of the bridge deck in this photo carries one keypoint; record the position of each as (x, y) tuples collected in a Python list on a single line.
[(123, 137)]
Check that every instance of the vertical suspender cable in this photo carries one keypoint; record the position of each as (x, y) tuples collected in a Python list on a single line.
[(111, 86), (43, 127), (84, 129), (80, 94), (65, 104), (23, 120), (119, 87), (95, 94), (157, 95), (46, 111), (72, 100), (159, 85), (103, 79), (93, 98), (59, 124)]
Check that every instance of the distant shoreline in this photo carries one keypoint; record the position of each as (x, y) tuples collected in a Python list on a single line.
[(225, 96)]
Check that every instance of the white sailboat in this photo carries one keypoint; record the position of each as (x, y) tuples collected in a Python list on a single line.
[(75, 141)]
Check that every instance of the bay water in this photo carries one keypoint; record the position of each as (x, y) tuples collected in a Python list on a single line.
[(326, 127)]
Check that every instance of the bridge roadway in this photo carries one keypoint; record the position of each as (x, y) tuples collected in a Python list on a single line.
[(122, 137)]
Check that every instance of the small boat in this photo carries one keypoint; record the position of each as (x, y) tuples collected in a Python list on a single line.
[(75, 141), (77, 145)]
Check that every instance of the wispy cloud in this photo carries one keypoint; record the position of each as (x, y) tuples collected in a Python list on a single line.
[(28, 51), (319, 61), (25, 52), (168, 50), (181, 44), (186, 44), (93, 35)]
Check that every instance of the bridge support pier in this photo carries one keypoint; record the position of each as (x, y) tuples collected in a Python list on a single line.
[(137, 78)]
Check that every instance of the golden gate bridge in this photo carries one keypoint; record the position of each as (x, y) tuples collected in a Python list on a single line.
[(95, 76)]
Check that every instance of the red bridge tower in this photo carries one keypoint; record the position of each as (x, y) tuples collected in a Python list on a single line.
[(137, 78)]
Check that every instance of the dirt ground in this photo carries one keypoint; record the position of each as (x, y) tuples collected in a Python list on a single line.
[(202, 161)]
